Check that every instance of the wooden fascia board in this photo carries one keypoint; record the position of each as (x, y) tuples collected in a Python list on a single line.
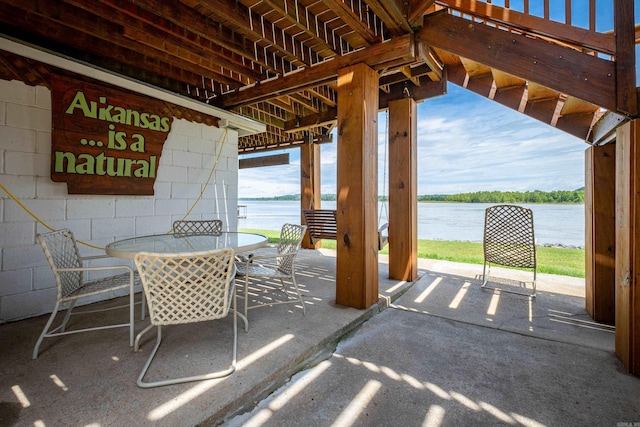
[(397, 51), (590, 39), (565, 70), (604, 130)]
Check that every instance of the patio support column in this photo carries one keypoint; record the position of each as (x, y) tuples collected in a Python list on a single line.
[(627, 290), (310, 196), (403, 190), (357, 204), (600, 232)]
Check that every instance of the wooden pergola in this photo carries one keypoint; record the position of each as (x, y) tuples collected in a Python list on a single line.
[(305, 67)]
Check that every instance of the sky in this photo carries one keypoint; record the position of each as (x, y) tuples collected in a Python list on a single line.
[(466, 143)]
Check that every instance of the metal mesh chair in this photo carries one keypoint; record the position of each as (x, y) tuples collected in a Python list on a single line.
[(279, 265), (187, 288), (70, 273), (509, 240), (213, 226)]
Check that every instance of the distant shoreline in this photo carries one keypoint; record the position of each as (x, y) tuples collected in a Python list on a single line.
[(575, 197)]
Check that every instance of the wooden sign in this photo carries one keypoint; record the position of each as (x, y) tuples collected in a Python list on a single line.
[(106, 140)]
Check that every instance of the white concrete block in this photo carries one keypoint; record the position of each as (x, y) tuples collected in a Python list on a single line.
[(28, 117), (203, 145), (179, 190), (153, 225), (15, 139), (81, 228), (17, 92), (162, 190), (126, 208), (187, 159), (15, 281), (171, 206), (19, 257), (205, 207), (43, 142), (168, 173), (43, 97), (47, 189), (23, 187), (21, 306), (47, 210), (3, 109), (186, 127), (17, 233), (95, 208), (43, 278), (30, 164), (106, 228), (175, 141)]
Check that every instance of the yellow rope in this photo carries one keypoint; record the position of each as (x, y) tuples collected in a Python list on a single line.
[(27, 210)]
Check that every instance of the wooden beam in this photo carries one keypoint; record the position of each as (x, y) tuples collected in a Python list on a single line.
[(427, 89), (627, 100), (396, 52), (357, 204), (562, 69), (600, 232), (417, 9), (590, 39), (310, 185), (627, 221), (310, 121), (394, 15), (258, 162), (403, 190)]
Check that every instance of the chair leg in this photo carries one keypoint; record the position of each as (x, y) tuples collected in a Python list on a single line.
[(67, 316), (295, 285), (213, 375), (485, 274), (246, 302), (45, 331)]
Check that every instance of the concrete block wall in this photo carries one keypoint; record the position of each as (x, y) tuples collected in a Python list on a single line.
[(192, 150)]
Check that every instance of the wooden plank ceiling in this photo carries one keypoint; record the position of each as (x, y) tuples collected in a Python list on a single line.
[(276, 61)]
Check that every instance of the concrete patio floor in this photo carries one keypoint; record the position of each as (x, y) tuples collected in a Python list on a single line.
[(438, 351)]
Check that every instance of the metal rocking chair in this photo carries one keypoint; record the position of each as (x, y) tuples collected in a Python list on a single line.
[(509, 240), (187, 288)]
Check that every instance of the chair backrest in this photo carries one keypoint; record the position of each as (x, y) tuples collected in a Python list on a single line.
[(187, 288), (290, 240), (509, 237), (61, 250), (212, 226)]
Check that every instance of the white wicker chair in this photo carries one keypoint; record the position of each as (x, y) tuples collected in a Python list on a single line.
[(213, 226), (509, 240), (279, 265), (69, 270), (187, 288)]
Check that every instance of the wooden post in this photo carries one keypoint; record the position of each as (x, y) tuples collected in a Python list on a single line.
[(600, 224), (310, 196), (403, 190), (628, 245), (357, 204)]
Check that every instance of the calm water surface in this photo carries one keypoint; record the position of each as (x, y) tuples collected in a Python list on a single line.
[(553, 224)]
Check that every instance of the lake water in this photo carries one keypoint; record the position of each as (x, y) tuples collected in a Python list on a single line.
[(553, 224)]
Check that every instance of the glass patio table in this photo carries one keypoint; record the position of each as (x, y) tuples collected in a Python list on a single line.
[(185, 243)]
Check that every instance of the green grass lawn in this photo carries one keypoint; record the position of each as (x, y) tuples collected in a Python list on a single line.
[(562, 261)]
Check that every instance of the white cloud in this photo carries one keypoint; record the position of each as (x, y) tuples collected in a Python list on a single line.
[(465, 143)]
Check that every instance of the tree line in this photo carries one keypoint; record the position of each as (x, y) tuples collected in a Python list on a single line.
[(537, 196)]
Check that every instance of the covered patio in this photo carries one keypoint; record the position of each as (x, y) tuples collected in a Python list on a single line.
[(179, 90), (437, 351)]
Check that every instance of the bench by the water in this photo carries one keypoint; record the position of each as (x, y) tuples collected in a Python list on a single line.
[(321, 224)]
